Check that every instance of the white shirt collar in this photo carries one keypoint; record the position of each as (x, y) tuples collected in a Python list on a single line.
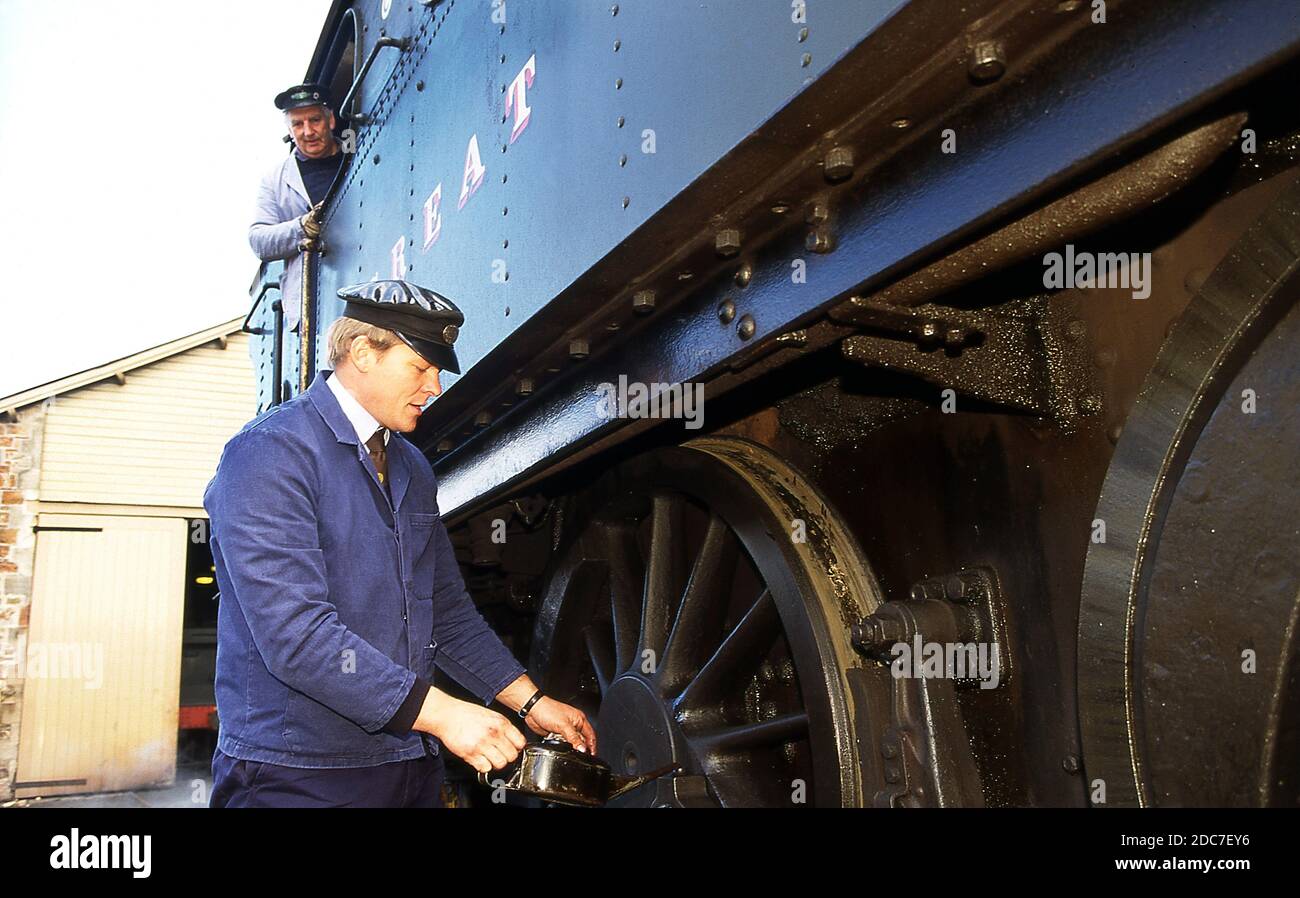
[(362, 421)]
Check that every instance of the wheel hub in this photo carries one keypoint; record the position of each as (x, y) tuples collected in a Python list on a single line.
[(634, 728)]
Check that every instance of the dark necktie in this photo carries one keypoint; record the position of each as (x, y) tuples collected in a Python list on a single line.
[(379, 455)]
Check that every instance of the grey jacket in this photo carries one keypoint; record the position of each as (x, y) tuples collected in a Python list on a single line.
[(276, 230)]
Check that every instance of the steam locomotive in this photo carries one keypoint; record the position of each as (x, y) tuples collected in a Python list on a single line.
[(864, 402)]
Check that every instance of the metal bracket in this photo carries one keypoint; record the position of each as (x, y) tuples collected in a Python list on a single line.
[(928, 326), (976, 588), (925, 748), (1020, 354), (964, 606)]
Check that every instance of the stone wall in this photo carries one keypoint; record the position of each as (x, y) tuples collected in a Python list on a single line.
[(20, 451)]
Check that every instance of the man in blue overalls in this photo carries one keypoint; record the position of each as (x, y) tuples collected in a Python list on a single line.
[(340, 590)]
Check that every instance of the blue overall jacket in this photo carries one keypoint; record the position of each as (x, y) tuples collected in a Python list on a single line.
[(335, 602)]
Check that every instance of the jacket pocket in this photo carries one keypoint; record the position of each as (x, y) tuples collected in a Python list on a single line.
[(311, 728), (419, 552)]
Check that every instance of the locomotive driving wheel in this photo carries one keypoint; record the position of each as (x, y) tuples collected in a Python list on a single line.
[(700, 615), (1189, 645)]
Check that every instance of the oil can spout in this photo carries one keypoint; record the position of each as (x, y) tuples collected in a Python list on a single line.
[(620, 785)]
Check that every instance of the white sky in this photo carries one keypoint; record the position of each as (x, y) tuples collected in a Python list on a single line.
[(132, 138)]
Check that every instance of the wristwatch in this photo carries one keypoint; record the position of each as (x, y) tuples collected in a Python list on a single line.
[(528, 705)]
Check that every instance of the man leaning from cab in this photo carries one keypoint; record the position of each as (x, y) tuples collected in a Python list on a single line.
[(291, 195)]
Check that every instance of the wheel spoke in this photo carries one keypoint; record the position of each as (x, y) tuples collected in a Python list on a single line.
[(697, 629), (776, 731), (739, 655), (600, 650), (663, 577), (625, 584)]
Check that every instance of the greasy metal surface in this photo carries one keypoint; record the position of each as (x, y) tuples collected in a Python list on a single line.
[(809, 592), (928, 759), (1159, 446), (1224, 579), (925, 491), (833, 571), (926, 747), (826, 415), (1136, 186), (932, 326), (965, 606), (1010, 153), (1019, 354)]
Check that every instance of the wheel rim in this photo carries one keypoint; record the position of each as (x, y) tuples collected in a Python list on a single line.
[(693, 627), (1198, 563)]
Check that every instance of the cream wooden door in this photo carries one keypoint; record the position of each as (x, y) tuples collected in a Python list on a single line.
[(102, 673)]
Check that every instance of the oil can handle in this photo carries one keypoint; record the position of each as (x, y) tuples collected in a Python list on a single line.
[(491, 778)]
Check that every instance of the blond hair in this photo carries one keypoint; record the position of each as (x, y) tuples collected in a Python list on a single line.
[(344, 330)]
